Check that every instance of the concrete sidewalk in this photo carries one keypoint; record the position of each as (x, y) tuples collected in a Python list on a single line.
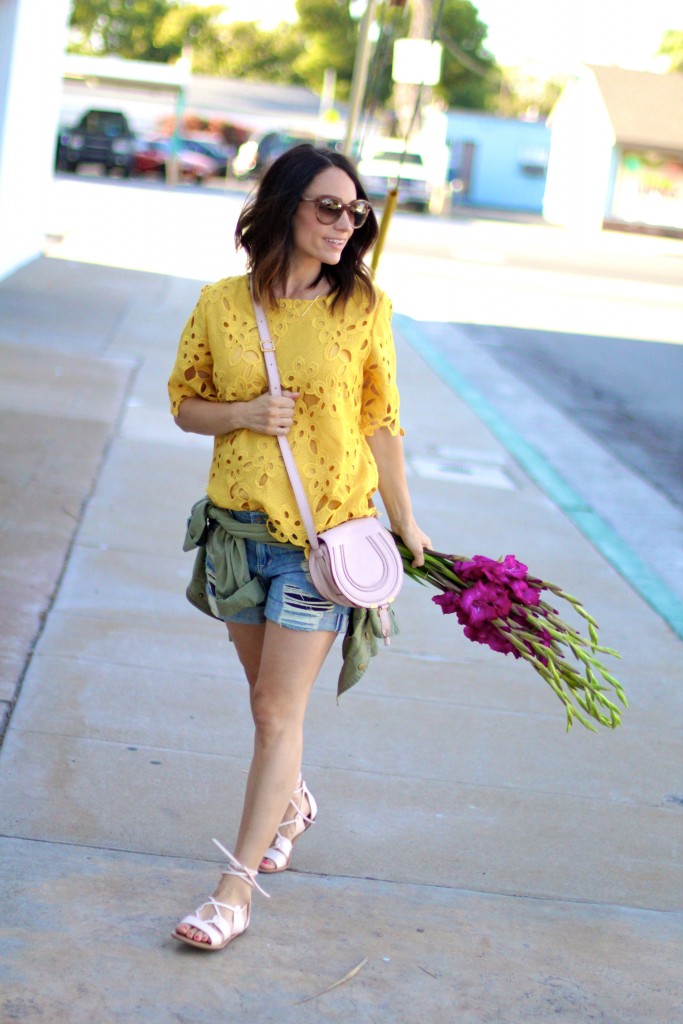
[(491, 869)]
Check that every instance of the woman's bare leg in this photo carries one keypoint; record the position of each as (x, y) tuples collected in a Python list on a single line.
[(249, 652), (288, 664)]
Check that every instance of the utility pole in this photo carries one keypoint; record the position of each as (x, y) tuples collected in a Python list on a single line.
[(405, 95), (360, 77)]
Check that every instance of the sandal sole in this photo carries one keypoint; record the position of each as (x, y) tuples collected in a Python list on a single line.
[(206, 946)]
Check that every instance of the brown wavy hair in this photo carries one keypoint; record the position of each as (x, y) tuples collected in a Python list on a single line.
[(264, 227)]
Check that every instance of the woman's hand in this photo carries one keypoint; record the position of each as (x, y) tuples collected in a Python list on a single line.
[(414, 539), (270, 415), (263, 415)]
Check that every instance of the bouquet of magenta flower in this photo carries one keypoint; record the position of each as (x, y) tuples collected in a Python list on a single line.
[(500, 605)]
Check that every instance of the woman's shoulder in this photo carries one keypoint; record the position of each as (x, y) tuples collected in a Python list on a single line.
[(361, 304), (232, 287)]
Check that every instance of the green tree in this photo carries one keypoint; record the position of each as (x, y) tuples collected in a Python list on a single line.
[(672, 47), (329, 37), (470, 77), (524, 95), (122, 27), (245, 51), (193, 26)]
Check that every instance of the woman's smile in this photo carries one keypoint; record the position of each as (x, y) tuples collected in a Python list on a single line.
[(336, 243)]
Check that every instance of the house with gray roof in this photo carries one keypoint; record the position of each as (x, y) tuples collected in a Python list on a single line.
[(616, 152)]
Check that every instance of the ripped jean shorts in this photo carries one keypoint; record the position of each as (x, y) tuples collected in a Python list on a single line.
[(291, 599)]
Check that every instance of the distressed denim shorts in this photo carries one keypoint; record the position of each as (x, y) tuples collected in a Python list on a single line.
[(291, 599)]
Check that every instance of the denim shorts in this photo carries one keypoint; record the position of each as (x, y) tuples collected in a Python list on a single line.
[(291, 599)]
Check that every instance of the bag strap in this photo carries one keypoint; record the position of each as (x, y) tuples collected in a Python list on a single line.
[(275, 388)]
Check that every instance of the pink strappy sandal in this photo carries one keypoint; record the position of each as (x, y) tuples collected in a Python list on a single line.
[(280, 853), (220, 930)]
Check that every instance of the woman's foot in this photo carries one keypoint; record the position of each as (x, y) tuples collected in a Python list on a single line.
[(300, 814), (217, 930), (225, 914)]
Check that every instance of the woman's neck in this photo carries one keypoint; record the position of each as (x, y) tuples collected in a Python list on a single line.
[(305, 282)]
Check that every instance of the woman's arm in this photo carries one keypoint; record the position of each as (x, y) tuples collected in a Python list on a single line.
[(387, 450), (264, 415)]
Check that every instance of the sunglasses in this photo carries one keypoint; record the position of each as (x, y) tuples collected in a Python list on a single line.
[(328, 210)]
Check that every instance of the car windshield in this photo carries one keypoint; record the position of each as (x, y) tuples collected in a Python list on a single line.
[(103, 122)]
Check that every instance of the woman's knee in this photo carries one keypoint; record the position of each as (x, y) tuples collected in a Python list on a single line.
[(274, 716)]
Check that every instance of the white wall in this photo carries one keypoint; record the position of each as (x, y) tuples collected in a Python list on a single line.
[(32, 42), (581, 144)]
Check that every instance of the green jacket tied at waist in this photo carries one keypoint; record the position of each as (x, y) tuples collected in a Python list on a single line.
[(236, 589)]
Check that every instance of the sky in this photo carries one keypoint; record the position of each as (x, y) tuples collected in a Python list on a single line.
[(555, 34)]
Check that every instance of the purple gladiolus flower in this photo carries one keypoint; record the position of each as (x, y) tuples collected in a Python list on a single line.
[(480, 566), (486, 633), (483, 602), (524, 592), (514, 568), (447, 601)]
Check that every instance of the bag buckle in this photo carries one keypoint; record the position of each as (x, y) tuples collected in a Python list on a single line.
[(385, 623)]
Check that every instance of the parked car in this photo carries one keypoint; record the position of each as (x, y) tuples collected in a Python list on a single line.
[(100, 137), (152, 157), (383, 161), (220, 152), (257, 154)]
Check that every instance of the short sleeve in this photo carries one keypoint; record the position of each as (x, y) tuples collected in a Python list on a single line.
[(192, 375), (380, 394)]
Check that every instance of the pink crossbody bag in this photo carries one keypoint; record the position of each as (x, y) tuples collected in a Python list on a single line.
[(357, 563)]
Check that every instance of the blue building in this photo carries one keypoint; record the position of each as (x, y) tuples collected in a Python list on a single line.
[(497, 162)]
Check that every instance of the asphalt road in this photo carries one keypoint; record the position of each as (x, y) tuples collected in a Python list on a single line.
[(628, 394)]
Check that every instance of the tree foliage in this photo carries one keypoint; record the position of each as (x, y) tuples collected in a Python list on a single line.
[(469, 75), (524, 96), (190, 25), (122, 27), (672, 47), (325, 36), (328, 39), (247, 51)]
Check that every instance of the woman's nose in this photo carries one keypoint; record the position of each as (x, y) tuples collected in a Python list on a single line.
[(346, 220)]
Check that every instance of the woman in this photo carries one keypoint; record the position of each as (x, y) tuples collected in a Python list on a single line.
[(305, 232)]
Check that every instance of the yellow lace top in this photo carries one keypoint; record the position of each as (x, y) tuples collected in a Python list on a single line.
[(343, 365)]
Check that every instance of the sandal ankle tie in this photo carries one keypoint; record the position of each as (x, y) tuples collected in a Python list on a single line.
[(240, 870)]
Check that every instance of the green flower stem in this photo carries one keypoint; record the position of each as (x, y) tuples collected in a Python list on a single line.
[(554, 589)]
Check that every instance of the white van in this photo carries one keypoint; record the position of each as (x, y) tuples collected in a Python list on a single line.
[(382, 161)]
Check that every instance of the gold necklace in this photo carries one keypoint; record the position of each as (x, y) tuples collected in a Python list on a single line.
[(309, 305)]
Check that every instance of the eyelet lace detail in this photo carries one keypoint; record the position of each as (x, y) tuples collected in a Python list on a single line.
[(343, 366)]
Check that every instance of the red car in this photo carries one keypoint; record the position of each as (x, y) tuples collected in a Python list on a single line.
[(153, 155)]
